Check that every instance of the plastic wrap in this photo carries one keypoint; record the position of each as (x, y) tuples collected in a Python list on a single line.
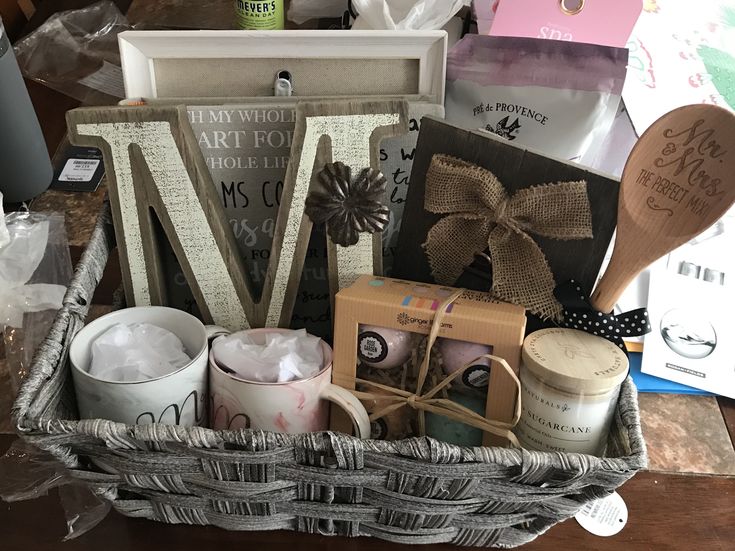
[(35, 270), (416, 15), (75, 52), (27, 472)]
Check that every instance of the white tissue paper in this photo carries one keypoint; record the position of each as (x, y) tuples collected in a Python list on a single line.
[(23, 240), (138, 352), (406, 15), (287, 356)]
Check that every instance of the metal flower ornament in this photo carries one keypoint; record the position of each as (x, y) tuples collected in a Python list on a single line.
[(348, 206)]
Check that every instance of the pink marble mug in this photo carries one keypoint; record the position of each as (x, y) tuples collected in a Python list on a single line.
[(292, 407)]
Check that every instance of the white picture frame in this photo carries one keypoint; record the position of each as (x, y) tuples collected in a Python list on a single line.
[(221, 64)]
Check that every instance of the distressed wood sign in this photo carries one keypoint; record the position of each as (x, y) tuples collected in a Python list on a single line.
[(350, 132), (516, 168), (157, 175), (396, 160), (155, 169), (246, 147)]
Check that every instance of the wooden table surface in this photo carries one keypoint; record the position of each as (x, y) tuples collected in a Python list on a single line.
[(668, 511)]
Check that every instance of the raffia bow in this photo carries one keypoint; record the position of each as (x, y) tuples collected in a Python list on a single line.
[(481, 215), (426, 401)]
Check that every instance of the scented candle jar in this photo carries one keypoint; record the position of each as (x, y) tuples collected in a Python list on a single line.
[(570, 384)]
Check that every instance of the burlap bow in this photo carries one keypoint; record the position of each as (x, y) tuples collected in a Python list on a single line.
[(481, 215)]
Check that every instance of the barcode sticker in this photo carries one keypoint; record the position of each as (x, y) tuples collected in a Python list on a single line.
[(604, 517), (79, 170)]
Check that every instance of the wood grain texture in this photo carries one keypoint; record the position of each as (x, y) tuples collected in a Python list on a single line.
[(727, 407), (156, 174), (676, 183), (667, 513), (246, 147)]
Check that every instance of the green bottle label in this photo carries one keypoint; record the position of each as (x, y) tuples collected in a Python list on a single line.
[(262, 15)]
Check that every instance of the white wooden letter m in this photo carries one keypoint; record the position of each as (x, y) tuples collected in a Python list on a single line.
[(155, 170)]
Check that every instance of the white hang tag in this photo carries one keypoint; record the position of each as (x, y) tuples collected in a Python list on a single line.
[(604, 517)]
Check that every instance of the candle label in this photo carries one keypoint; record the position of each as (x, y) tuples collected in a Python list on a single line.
[(552, 421), (372, 347), (476, 376)]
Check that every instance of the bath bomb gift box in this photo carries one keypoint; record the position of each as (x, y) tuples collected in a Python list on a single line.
[(394, 304)]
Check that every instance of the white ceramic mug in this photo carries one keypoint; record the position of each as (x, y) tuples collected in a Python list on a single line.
[(179, 398), (293, 407)]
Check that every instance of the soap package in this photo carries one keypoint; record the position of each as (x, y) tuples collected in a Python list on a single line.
[(557, 97), (418, 357)]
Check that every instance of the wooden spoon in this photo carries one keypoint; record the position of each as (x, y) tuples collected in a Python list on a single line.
[(678, 181)]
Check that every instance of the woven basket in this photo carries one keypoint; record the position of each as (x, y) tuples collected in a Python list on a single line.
[(417, 490)]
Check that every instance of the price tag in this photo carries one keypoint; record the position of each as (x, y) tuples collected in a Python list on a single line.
[(604, 517), (79, 170)]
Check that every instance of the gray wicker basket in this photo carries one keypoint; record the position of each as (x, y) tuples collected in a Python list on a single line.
[(417, 490)]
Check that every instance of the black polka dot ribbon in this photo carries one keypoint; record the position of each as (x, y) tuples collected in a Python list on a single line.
[(579, 314)]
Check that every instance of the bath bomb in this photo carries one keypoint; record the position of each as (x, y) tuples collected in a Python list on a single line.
[(456, 354), (383, 348)]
